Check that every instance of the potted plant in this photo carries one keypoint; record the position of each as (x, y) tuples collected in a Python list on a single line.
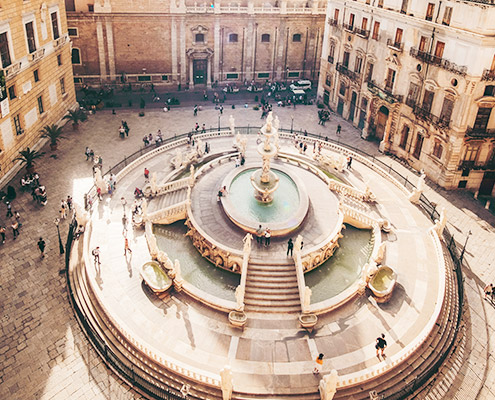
[(28, 157), (54, 133), (76, 116)]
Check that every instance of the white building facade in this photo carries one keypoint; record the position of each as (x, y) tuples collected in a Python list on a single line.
[(419, 77)]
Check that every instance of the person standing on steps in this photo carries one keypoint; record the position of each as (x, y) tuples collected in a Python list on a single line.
[(380, 346), (259, 235), (268, 236), (349, 162), (126, 247), (290, 247), (96, 254), (339, 129), (41, 246)]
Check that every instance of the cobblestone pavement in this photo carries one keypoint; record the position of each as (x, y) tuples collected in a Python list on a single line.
[(44, 354)]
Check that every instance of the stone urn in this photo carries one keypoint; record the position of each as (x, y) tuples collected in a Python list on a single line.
[(382, 284), (238, 319), (308, 321)]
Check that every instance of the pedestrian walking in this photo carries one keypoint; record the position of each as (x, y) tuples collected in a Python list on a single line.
[(259, 235), (87, 153), (195, 110), (319, 363), (349, 162), (145, 140), (339, 129), (146, 173), (15, 229), (2, 233), (69, 202), (268, 235), (489, 291), (41, 246), (196, 127), (221, 109), (63, 210), (9, 209), (17, 217), (290, 247), (380, 346), (126, 247), (96, 254), (203, 129)]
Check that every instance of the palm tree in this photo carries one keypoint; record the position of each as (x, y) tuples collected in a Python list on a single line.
[(28, 157), (54, 133), (76, 116)]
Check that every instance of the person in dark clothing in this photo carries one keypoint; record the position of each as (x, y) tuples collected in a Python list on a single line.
[(41, 246), (290, 247), (381, 345)]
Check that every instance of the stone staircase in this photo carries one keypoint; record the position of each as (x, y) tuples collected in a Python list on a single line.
[(167, 199), (272, 288)]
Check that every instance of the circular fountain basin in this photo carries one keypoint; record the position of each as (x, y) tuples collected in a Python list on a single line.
[(282, 215)]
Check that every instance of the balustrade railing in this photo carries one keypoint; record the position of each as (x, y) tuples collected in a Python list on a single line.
[(384, 93), (438, 61), (426, 115), (399, 46), (37, 55), (347, 72), (12, 69), (362, 32), (480, 132)]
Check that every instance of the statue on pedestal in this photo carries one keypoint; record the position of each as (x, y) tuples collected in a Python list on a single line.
[(227, 382), (307, 299), (416, 193), (247, 244), (440, 223), (239, 298), (328, 385), (232, 124)]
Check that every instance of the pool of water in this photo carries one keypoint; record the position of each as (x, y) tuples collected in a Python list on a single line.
[(285, 201), (195, 269), (342, 269)]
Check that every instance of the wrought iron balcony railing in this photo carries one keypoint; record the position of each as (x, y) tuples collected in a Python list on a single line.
[(425, 115), (480, 132), (399, 46), (362, 32), (333, 22), (489, 165), (348, 27), (347, 72), (330, 59), (488, 75), (438, 61), (384, 93)]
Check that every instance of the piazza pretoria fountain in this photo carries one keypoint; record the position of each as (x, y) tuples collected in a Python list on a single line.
[(204, 308)]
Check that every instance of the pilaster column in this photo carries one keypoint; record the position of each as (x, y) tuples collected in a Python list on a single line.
[(110, 49), (208, 73), (101, 50), (216, 49), (191, 73), (173, 39), (183, 60)]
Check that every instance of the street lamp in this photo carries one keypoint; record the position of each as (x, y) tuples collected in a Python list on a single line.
[(219, 115), (291, 123), (60, 245), (464, 248)]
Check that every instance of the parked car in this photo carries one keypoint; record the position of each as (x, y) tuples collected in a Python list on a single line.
[(301, 85)]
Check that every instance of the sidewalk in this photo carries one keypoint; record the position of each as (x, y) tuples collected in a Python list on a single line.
[(44, 353)]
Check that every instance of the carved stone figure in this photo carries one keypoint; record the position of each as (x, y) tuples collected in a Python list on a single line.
[(276, 123), (369, 270), (100, 182), (191, 177), (298, 244), (239, 298), (177, 159), (247, 244), (232, 124), (227, 382), (332, 161), (269, 121), (328, 385), (416, 193), (153, 184), (380, 255), (307, 299), (440, 223), (178, 280)]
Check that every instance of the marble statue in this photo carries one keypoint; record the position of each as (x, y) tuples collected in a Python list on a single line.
[(144, 207), (328, 385), (152, 246), (191, 176), (242, 146), (332, 161), (177, 159), (298, 244), (239, 298), (269, 121), (178, 280), (276, 123), (200, 148), (380, 255), (440, 223), (369, 195), (369, 270), (247, 244), (307, 299), (232, 124), (416, 193), (226, 382), (99, 181), (153, 184)]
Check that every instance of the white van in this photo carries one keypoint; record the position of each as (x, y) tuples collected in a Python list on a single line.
[(301, 85)]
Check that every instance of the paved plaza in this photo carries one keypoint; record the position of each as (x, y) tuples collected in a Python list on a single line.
[(45, 355)]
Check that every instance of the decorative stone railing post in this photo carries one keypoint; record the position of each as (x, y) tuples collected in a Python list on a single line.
[(192, 178), (99, 181), (178, 280), (440, 223), (328, 385), (227, 382), (416, 193), (304, 294)]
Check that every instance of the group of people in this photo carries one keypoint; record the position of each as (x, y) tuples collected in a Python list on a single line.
[(15, 224), (158, 139), (124, 129), (323, 116), (263, 235)]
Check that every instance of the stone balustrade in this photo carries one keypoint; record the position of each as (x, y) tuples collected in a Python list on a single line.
[(169, 215), (172, 186)]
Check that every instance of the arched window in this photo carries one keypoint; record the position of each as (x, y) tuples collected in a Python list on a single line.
[(76, 56), (265, 38), (233, 38), (199, 38), (296, 37)]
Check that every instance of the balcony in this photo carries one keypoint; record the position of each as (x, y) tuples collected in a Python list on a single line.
[(37, 55), (347, 72), (330, 59), (488, 75), (489, 165), (480, 133), (397, 46), (362, 32), (425, 115), (348, 27), (384, 94), (12, 69), (333, 22), (438, 61), (59, 42)]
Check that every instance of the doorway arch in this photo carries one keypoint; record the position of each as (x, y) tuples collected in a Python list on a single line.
[(381, 121)]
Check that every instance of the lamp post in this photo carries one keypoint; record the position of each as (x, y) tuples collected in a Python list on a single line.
[(464, 248), (219, 115), (60, 245), (286, 77), (291, 123)]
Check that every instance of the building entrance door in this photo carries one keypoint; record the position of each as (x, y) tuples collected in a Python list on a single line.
[(352, 109), (381, 122), (340, 107), (487, 183), (199, 71), (362, 119)]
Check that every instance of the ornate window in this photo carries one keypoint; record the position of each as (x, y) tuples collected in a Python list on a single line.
[(437, 149), (233, 38), (296, 37), (265, 38), (199, 38), (404, 137)]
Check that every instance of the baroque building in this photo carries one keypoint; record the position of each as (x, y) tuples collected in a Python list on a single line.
[(181, 42), (36, 81), (418, 76)]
